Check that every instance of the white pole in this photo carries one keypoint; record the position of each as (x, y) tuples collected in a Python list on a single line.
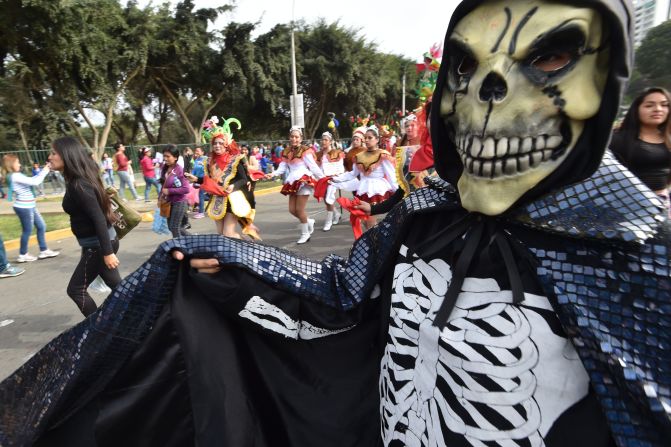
[(403, 95), (294, 83)]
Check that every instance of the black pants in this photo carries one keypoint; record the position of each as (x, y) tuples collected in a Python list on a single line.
[(178, 219), (91, 265)]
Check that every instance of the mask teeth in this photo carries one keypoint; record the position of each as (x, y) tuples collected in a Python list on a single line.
[(492, 158)]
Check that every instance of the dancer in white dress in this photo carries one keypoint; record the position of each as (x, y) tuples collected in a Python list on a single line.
[(302, 172), (375, 171), (331, 160)]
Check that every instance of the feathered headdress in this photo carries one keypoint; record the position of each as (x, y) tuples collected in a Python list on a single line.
[(211, 129)]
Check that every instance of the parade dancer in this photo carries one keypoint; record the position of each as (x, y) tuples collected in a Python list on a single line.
[(226, 180), (374, 168), (355, 147), (330, 160), (302, 173)]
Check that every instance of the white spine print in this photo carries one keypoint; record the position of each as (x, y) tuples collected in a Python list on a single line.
[(476, 377)]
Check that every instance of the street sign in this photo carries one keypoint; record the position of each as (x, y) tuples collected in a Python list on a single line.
[(297, 113)]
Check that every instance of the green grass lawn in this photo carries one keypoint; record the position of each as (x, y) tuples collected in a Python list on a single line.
[(11, 226), (260, 185)]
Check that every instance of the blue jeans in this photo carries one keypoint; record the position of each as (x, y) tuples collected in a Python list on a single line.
[(149, 181), (201, 200), (125, 180), (28, 218), (108, 177), (3, 256)]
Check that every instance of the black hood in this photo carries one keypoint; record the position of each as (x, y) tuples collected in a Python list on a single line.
[(584, 159)]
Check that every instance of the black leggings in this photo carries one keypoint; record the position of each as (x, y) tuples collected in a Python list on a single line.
[(91, 265)]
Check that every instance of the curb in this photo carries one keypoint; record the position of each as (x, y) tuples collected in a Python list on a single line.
[(267, 191), (50, 236), (64, 233)]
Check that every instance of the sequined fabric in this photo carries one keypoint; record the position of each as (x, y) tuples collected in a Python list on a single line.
[(80, 362), (610, 284)]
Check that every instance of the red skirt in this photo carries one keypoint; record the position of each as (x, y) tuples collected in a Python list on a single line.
[(377, 198), (289, 189)]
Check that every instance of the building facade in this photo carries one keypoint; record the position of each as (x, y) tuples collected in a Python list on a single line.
[(648, 14)]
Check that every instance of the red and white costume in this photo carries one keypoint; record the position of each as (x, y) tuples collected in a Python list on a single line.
[(376, 174), (336, 158), (302, 171)]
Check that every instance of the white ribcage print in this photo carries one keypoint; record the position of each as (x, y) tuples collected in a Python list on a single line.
[(476, 377)]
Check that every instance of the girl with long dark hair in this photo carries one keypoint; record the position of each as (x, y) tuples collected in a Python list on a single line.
[(91, 219), (175, 189), (643, 140)]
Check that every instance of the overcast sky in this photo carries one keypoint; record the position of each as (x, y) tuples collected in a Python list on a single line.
[(405, 27)]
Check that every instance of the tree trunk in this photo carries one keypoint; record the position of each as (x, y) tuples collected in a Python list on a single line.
[(194, 131), (24, 140), (139, 116)]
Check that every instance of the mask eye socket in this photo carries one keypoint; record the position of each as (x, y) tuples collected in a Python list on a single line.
[(554, 54), (552, 61), (467, 65)]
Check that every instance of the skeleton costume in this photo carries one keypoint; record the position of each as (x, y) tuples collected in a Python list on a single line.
[(541, 321)]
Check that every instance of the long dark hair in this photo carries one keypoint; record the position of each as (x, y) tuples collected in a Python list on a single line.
[(78, 166), (172, 150), (629, 130)]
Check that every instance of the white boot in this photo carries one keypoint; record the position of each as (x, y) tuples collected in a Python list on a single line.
[(305, 234), (329, 220), (311, 226), (336, 216)]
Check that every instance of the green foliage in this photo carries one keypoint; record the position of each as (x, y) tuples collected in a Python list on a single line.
[(107, 70), (653, 60)]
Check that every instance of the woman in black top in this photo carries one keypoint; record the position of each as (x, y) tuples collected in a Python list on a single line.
[(91, 219), (642, 142)]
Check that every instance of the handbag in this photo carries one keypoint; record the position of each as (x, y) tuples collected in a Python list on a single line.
[(164, 207), (126, 217)]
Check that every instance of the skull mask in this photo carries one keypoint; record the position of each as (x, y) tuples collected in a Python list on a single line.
[(523, 78)]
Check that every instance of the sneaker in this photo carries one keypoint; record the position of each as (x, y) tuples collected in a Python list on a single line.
[(11, 271), (48, 254), (198, 216), (138, 200), (26, 258)]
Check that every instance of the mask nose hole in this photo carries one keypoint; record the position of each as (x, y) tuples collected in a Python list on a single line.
[(494, 88)]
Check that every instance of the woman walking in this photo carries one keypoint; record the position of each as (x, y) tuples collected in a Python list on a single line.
[(298, 162), (148, 172), (175, 188), (21, 190), (108, 170), (91, 219), (643, 141)]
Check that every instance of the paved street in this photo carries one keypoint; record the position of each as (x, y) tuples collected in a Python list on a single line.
[(34, 307)]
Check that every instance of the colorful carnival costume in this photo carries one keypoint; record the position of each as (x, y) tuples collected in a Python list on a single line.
[(301, 169), (331, 163), (376, 174), (546, 323), (224, 171)]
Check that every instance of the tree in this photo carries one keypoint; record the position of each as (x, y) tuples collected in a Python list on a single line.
[(653, 57), (186, 67)]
